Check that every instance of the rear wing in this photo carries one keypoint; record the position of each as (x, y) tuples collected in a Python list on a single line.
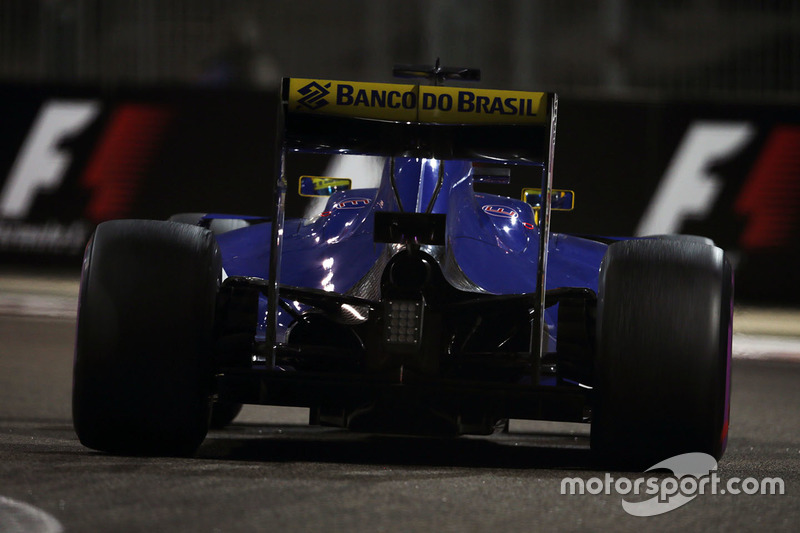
[(415, 121), (411, 120)]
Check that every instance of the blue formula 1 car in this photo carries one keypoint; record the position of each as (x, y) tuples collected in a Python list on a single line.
[(425, 302)]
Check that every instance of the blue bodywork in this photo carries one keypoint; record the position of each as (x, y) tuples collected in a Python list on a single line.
[(492, 239)]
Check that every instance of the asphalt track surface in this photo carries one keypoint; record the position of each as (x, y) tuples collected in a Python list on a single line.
[(271, 471)]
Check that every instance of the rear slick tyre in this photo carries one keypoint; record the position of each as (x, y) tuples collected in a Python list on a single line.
[(143, 361), (662, 369)]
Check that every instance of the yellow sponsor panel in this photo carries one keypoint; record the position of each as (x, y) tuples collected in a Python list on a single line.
[(450, 105), (414, 103)]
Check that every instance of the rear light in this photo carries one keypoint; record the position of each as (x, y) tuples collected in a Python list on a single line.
[(403, 322)]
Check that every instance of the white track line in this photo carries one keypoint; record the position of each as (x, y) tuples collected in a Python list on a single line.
[(766, 347), (38, 305), (20, 517)]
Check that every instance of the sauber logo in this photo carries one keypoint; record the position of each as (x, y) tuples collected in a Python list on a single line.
[(314, 95), (352, 203), (500, 211)]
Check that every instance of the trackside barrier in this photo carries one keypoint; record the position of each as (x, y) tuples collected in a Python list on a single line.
[(73, 157)]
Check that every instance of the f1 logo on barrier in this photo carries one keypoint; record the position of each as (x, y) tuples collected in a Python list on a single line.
[(50, 163), (118, 164), (41, 164), (688, 188), (768, 198)]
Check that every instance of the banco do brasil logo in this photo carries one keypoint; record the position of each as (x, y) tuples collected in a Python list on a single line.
[(314, 95)]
